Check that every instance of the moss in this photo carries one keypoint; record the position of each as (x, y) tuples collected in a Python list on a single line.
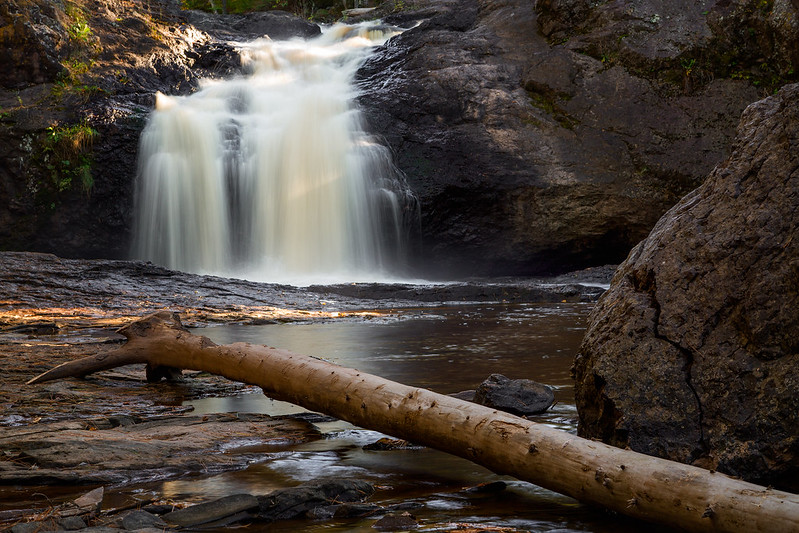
[(65, 152)]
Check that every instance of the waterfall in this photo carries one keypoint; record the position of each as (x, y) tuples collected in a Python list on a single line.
[(271, 176)]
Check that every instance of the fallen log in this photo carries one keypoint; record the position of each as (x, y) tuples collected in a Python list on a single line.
[(622, 480)]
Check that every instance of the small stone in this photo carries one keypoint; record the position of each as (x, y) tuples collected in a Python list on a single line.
[(396, 522), (72, 523), (141, 519), (159, 509), (389, 444), (31, 527), (92, 500)]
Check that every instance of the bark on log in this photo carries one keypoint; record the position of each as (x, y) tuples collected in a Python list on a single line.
[(627, 482)]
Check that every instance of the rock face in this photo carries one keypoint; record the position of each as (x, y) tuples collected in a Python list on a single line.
[(551, 137), (693, 353), (33, 42)]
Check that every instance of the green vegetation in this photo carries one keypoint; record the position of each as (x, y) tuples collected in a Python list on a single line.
[(79, 30), (66, 154), (84, 47)]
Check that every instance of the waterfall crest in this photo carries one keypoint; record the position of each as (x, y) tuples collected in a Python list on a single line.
[(271, 176)]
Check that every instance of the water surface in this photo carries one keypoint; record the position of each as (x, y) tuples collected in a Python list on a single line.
[(446, 350)]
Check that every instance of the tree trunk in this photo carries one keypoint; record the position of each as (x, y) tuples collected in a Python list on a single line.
[(625, 481)]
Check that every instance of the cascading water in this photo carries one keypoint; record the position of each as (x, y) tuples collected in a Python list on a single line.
[(271, 176)]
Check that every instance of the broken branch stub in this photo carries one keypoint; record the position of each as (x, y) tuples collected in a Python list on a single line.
[(622, 480)]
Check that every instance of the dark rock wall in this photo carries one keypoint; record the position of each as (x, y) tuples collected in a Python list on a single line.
[(693, 353), (534, 145)]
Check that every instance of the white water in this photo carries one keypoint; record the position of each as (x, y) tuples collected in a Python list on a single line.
[(271, 177)]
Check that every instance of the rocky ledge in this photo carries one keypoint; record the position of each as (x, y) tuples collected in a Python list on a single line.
[(693, 353)]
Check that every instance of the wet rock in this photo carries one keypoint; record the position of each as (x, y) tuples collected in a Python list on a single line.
[(389, 444), (72, 523), (33, 527), (531, 154), (357, 510), (142, 519), (158, 509), (214, 511), (276, 25), (517, 396), (406, 506), (507, 290), (487, 488), (296, 502), (691, 354), (396, 522), (78, 452), (466, 395), (130, 289)]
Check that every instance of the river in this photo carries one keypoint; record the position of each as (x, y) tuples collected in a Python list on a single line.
[(445, 349)]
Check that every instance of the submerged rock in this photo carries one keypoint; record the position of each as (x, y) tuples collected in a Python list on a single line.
[(85, 451), (296, 502), (204, 513), (692, 353), (396, 522), (517, 396)]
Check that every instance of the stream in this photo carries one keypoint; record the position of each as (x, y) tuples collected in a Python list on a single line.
[(445, 349)]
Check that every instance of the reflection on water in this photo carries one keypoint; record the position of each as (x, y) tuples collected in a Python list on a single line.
[(443, 349)]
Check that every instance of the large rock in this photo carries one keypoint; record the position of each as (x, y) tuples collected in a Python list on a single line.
[(693, 353), (518, 396), (538, 152)]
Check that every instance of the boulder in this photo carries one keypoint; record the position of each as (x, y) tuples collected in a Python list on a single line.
[(693, 353), (537, 147)]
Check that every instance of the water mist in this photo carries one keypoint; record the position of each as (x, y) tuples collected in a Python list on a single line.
[(271, 176)]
